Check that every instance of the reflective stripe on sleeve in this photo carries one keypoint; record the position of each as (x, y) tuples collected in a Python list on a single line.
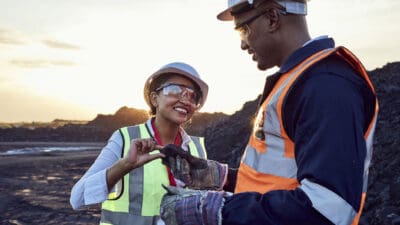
[(328, 203), (368, 156)]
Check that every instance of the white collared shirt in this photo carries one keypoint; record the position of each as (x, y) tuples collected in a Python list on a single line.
[(92, 186)]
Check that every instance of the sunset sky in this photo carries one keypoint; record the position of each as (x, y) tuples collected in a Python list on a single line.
[(73, 59)]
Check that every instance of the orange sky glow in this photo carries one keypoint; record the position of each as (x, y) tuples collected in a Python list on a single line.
[(74, 59)]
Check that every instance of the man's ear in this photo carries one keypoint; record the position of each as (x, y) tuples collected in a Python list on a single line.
[(153, 99), (274, 19)]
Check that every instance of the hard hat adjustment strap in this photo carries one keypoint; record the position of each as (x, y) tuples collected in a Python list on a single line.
[(294, 7), (289, 6)]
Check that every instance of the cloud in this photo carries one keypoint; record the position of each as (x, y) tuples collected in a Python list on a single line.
[(14, 37), (39, 63), (58, 44), (11, 37)]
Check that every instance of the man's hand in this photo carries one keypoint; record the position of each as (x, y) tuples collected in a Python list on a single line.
[(184, 206), (196, 173)]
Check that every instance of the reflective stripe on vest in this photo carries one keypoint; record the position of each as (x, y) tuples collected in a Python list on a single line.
[(141, 192), (268, 162)]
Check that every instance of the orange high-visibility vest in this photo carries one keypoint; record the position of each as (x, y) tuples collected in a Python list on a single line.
[(269, 163)]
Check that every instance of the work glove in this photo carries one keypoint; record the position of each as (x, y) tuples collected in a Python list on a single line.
[(192, 207), (195, 172)]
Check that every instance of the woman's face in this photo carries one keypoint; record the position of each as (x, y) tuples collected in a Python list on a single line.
[(171, 105)]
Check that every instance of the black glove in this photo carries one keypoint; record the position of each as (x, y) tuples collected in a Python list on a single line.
[(195, 172)]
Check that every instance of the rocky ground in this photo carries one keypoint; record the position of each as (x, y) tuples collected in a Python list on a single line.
[(35, 189)]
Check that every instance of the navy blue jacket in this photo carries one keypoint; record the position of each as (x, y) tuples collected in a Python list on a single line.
[(325, 113)]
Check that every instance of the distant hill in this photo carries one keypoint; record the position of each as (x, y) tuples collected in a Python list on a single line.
[(129, 116), (97, 130), (123, 117), (33, 125)]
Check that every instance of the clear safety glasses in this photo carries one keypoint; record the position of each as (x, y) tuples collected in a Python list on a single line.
[(180, 91), (244, 27)]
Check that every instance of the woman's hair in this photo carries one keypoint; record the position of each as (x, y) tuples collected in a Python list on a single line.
[(154, 85), (158, 83)]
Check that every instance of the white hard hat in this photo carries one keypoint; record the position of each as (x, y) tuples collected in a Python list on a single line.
[(290, 7), (178, 68)]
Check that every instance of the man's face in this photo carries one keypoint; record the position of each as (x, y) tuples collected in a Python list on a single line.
[(256, 36)]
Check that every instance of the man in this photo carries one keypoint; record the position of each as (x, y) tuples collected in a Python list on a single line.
[(308, 155)]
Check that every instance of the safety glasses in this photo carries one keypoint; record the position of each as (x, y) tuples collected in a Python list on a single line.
[(180, 92), (244, 27)]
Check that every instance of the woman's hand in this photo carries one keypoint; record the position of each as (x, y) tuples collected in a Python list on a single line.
[(139, 153)]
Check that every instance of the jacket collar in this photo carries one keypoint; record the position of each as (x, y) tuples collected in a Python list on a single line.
[(308, 49), (185, 137)]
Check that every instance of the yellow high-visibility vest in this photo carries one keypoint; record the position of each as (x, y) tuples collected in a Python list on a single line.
[(137, 196)]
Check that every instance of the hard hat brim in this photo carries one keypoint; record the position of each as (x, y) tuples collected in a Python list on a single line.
[(226, 15)]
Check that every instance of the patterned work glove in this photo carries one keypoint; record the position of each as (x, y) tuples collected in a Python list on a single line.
[(195, 172), (192, 207)]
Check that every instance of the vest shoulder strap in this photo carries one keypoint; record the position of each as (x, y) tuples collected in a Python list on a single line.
[(197, 143), (132, 132)]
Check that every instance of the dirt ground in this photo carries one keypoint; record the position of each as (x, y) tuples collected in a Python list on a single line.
[(35, 189)]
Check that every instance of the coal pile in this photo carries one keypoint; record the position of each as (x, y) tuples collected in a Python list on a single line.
[(383, 199), (227, 139)]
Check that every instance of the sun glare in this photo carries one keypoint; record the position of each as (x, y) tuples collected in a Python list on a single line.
[(96, 57)]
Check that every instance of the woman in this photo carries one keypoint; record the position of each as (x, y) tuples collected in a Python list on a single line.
[(125, 177)]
